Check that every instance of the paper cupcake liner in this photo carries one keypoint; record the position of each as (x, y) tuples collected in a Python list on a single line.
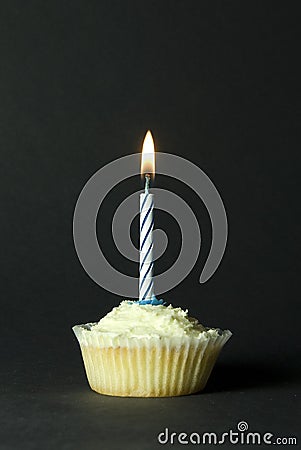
[(148, 367)]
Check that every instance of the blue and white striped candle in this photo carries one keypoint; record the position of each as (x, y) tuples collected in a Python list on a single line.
[(146, 285)]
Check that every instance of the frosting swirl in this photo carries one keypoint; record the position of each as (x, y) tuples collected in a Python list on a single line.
[(131, 319)]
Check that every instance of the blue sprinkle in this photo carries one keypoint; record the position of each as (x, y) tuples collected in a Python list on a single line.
[(152, 301)]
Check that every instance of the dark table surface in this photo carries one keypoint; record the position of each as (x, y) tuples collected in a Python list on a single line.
[(46, 403)]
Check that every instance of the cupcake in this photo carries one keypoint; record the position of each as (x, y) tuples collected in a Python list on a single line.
[(147, 349)]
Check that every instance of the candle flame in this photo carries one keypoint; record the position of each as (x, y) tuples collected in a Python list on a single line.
[(148, 155)]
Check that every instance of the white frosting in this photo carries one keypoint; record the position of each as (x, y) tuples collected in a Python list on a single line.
[(134, 320)]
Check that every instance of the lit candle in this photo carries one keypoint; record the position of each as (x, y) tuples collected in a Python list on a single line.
[(146, 285)]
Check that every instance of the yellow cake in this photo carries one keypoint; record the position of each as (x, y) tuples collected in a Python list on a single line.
[(148, 350)]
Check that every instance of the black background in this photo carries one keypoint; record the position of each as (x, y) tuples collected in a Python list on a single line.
[(80, 84)]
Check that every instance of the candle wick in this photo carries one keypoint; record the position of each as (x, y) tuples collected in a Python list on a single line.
[(147, 182)]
